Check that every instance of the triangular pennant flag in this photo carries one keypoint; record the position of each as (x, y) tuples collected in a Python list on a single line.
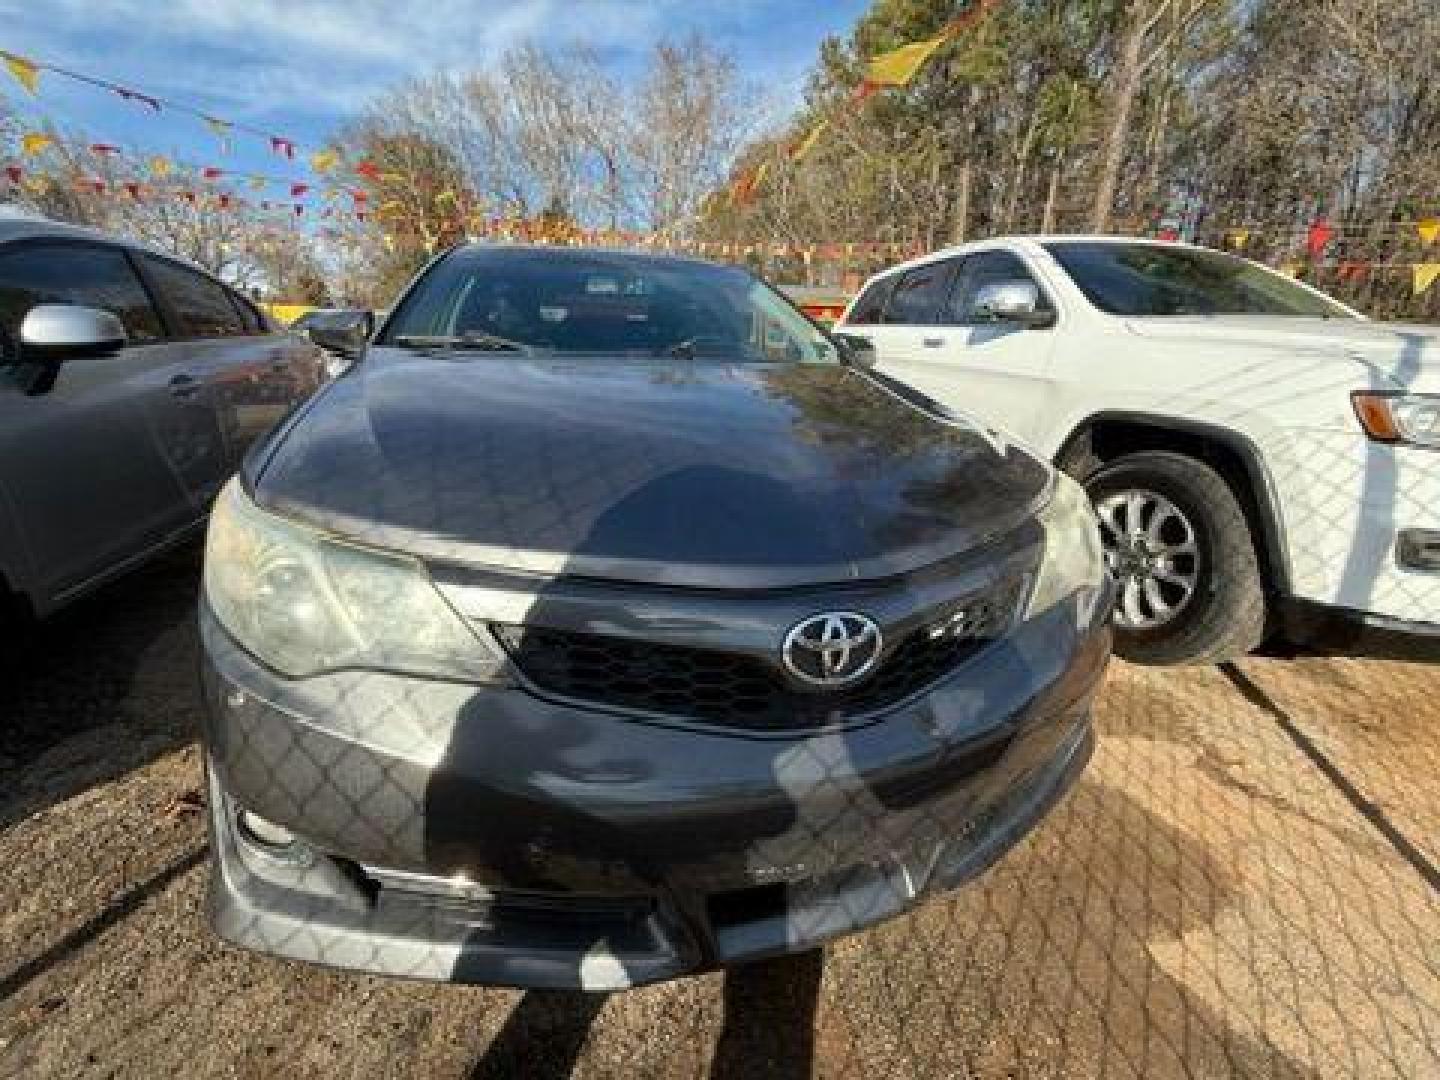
[(35, 142), (299, 209), (210, 172), (802, 149), (1239, 239), (1290, 268), (899, 66), (14, 173), (159, 166), (221, 130), (257, 183), (282, 146), (1429, 230), (133, 190), (101, 149), (26, 72), (135, 95), (1318, 238), (297, 191), (1426, 274), (368, 169), (322, 161)]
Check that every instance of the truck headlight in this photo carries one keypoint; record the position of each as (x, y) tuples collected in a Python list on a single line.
[(1073, 563), (304, 603), (1399, 418)]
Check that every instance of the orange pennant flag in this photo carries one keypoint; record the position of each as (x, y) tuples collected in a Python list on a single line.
[(1426, 275), (26, 72), (35, 142), (1429, 230)]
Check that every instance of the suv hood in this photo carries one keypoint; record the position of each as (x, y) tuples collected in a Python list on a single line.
[(696, 474), (1408, 355)]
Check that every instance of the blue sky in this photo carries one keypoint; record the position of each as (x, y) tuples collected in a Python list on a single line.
[(301, 67)]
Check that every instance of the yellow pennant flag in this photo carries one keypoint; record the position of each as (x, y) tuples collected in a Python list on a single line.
[(159, 165), (322, 161), (1290, 269), (34, 142), (1239, 238), (803, 148), (257, 183), (1426, 275), (26, 72), (1429, 230), (898, 67)]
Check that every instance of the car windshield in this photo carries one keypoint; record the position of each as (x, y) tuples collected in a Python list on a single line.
[(1159, 280), (555, 301)]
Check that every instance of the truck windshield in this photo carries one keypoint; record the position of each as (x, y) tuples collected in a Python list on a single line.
[(1158, 280), (545, 301)]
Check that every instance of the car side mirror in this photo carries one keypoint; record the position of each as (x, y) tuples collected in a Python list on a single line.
[(1013, 301), (856, 351), (51, 333), (344, 333)]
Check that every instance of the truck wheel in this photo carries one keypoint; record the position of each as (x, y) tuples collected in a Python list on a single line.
[(1183, 557)]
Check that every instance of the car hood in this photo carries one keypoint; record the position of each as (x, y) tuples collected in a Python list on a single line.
[(1406, 355), (696, 474)]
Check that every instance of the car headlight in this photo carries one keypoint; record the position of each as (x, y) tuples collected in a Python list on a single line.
[(1399, 418), (1073, 563), (303, 603)]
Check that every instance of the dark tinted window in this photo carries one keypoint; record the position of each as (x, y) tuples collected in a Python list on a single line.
[(204, 306), (604, 303), (1160, 279), (870, 308), (919, 295), (980, 270), (83, 274)]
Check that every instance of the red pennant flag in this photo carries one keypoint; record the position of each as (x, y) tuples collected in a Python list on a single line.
[(1168, 236), (210, 172), (104, 149), (360, 215), (98, 186), (224, 201), (135, 95), (133, 190), (188, 196), (360, 198), (297, 191), (1319, 238), (14, 172), (865, 91), (368, 169), (282, 146)]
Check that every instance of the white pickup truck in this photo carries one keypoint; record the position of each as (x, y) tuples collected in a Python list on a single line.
[(1261, 456)]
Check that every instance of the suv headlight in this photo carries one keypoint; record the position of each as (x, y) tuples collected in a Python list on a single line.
[(303, 603), (1399, 418), (1073, 563)]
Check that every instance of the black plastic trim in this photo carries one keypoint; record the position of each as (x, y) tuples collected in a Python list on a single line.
[(1330, 630)]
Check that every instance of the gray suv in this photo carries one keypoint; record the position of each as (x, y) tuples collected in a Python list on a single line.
[(608, 621), (131, 385)]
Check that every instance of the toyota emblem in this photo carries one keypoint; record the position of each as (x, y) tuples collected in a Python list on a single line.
[(833, 650)]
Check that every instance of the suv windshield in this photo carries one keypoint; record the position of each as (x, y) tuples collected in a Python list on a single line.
[(555, 301), (1155, 279)]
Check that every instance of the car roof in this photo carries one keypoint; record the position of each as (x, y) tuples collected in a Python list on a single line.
[(30, 228)]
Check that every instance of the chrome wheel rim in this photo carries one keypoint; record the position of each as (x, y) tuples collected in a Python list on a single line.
[(1151, 552)]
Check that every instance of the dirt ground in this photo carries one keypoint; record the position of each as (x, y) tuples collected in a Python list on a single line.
[(1244, 883)]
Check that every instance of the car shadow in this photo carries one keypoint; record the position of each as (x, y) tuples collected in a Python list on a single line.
[(103, 688)]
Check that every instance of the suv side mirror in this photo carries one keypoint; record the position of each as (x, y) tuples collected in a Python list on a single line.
[(856, 350), (51, 333), (1014, 301), (344, 333)]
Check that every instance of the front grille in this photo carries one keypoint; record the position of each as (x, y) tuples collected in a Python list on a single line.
[(735, 690)]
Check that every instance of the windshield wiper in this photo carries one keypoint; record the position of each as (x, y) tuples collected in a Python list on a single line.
[(486, 342)]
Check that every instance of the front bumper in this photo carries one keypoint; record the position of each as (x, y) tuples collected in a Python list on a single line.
[(484, 835)]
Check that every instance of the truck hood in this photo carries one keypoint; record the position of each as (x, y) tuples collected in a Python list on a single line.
[(686, 473), (1406, 355)]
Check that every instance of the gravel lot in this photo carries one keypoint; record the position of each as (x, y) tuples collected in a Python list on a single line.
[(1244, 884)]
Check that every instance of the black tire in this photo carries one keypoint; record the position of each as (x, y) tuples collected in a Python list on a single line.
[(1224, 615)]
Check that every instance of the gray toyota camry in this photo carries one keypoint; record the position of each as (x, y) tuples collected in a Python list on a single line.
[(607, 621)]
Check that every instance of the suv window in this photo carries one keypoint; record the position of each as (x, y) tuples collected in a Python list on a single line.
[(204, 306), (919, 295), (870, 308), (980, 270), (89, 275)]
